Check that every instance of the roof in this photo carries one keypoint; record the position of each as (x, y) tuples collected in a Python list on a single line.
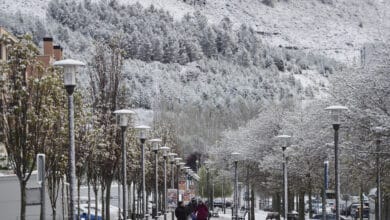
[(3, 31)]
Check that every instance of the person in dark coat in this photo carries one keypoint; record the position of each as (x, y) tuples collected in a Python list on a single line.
[(202, 212), (181, 212)]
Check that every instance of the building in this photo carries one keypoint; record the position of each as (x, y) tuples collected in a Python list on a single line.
[(3, 49), (50, 53)]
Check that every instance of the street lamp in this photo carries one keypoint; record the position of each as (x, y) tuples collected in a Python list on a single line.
[(207, 165), (285, 142), (165, 149), (155, 147), (124, 118), (177, 160), (172, 161), (335, 112), (235, 157), (180, 166), (70, 68), (142, 130), (378, 202)]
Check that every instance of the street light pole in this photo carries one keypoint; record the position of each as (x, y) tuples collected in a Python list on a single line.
[(165, 149), (124, 118), (235, 191), (235, 156), (285, 184), (177, 159), (285, 144), (172, 162), (70, 69), (155, 143), (378, 202), (142, 137), (335, 114), (207, 165)]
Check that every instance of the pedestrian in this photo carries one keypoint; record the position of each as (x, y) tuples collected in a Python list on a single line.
[(181, 212), (202, 212)]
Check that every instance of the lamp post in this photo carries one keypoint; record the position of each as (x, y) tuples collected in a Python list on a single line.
[(335, 112), (142, 129), (165, 149), (124, 118), (70, 68), (180, 166), (177, 160), (235, 156), (285, 143), (155, 143), (207, 165), (326, 171), (378, 202), (172, 161)]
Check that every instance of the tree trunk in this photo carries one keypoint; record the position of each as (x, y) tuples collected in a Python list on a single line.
[(96, 192), (301, 205), (62, 199), (290, 201), (102, 208), (361, 203), (386, 207), (252, 204), (276, 203), (134, 190), (78, 197), (22, 185), (108, 195), (310, 202)]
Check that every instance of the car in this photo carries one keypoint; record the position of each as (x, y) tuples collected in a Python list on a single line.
[(328, 217), (84, 210), (84, 213)]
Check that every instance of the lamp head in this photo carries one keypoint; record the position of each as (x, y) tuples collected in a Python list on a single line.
[(165, 150), (181, 164), (155, 143), (285, 140), (235, 156), (378, 130), (142, 131), (124, 116), (172, 156), (70, 68), (335, 112)]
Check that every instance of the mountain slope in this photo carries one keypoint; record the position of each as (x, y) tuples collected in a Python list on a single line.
[(338, 30)]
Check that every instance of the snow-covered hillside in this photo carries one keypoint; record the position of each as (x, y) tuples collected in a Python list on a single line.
[(337, 30)]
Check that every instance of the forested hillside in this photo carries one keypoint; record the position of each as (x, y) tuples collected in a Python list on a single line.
[(196, 74)]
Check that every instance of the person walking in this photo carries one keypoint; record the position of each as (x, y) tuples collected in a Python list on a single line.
[(181, 212), (202, 212)]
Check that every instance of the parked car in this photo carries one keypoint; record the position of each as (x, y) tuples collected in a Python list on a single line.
[(366, 213), (84, 213), (353, 210), (328, 217), (114, 211)]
